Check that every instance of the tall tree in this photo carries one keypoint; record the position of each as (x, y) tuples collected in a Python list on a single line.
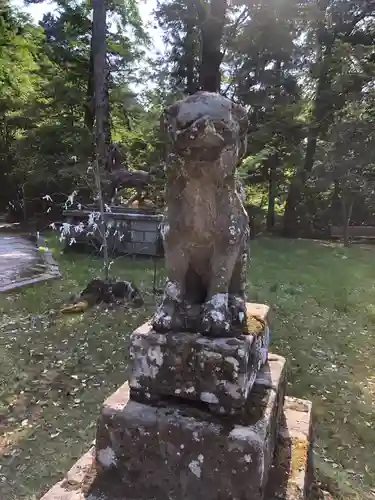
[(264, 76), (99, 58), (62, 111), (21, 44), (346, 159), (212, 20), (194, 36), (339, 22), (179, 21)]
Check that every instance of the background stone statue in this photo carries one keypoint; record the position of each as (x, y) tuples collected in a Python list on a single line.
[(206, 228), (119, 177)]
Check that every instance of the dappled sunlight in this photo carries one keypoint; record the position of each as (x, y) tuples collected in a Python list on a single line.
[(71, 319), (368, 387), (323, 316), (57, 370), (10, 439)]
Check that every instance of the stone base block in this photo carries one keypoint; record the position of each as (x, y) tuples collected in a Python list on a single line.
[(220, 372), (182, 452), (289, 478)]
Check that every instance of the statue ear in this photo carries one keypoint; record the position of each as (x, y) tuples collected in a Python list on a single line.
[(162, 122), (167, 118), (240, 114), (243, 147)]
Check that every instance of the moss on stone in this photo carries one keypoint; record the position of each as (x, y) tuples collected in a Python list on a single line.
[(299, 455)]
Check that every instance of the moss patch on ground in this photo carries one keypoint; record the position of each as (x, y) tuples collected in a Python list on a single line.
[(56, 370)]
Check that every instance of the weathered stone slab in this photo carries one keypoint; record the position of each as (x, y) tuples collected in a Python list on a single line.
[(76, 482), (186, 452), (289, 478), (217, 371), (291, 474)]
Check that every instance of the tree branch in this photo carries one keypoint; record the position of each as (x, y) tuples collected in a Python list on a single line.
[(242, 17)]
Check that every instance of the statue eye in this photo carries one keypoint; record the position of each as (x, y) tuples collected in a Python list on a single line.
[(185, 125)]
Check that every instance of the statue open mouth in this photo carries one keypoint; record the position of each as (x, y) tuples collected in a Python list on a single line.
[(203, 132)]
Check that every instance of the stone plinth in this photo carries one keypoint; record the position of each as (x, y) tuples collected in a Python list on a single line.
[(290, 477), (186, 452), (216, 371)]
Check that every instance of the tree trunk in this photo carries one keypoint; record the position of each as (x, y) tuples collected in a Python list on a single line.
[(274, 160), (90, 97), (24, 204), (99, 46), (347, 214), (322, 112), (334, 209), (107, 118), (212, 30), (191, 84), (272, 191), (322, 107)]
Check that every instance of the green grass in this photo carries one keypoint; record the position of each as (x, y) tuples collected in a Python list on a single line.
[(55, 375)]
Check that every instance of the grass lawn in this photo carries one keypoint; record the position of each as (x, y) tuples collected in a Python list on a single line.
[(55, 371)]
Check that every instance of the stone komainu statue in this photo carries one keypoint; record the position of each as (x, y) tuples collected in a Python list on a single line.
[(206, 228)]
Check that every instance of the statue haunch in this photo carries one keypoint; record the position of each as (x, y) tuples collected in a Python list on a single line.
[(206, 228)]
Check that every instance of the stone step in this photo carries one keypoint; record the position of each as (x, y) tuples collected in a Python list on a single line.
[(290, 477)]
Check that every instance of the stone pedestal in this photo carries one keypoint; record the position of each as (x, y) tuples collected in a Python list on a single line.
[(219, 372), (200, 418), (187, 453), (289, 477)]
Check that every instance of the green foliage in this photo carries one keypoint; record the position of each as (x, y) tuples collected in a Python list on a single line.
[(298, 67), (181, 26), (20, 44), (346, 162), (45, 79)]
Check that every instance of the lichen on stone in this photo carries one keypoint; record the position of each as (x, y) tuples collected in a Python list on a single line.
[(209, 397), (195, 468), (107, 457)]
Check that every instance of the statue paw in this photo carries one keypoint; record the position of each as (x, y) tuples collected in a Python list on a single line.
[(167, 318), (162, 320), (216, 318), (238, 308)]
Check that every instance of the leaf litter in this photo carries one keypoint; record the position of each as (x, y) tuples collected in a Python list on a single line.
[(56, 372)]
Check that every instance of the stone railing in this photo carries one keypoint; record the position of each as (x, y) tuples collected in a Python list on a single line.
[(131, 231)]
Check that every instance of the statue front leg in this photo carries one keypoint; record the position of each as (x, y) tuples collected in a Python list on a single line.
[(237, 287), (170, 314), (216, 317)]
